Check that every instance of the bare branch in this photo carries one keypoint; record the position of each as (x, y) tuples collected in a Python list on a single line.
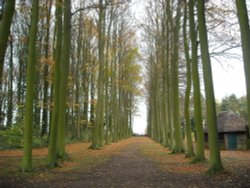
[(96, 6)]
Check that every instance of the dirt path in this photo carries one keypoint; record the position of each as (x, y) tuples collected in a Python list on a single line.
[(130, 169), (139, 162)]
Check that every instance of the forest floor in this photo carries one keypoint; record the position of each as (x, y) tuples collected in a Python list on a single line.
[(134, 162)]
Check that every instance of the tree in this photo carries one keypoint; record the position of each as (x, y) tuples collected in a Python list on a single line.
[(178, 147), (230, 103), (28, 117), (46, 69), (10, 92), (242, 14), (215, 164), (200, 154), (52, 158), (190, 152), (97, 140), (64, 71), (5, 24)]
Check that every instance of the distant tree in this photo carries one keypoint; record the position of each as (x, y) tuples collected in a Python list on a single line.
[(230, 103), (45, 111), (243, 108)]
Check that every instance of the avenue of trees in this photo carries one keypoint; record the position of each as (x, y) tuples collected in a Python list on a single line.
[(182, 38), (68, 72)]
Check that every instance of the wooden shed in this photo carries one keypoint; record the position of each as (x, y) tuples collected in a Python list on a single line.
[(231, 131)]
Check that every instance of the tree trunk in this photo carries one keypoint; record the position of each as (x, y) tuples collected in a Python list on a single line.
[(178, 147), (97, 140), (46, 72), (242, 14), (5, 25), (10, 87), (200, 154), (54, 118), (215, 164), (190, 152), (64, 71), (28, 117)]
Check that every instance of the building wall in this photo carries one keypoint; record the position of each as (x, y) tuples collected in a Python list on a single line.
[(241, 140)]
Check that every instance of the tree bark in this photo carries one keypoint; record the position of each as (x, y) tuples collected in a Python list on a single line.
[(52, 158), (97, 140), (28, 117), (200, 153), (215, 164), (5, 25), (64, 71), (190, 152), (242, 14)]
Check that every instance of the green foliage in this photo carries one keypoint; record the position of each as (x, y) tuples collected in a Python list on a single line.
[(243, 108), (237, 105), (39, 142), (230, 103), (11, 138)]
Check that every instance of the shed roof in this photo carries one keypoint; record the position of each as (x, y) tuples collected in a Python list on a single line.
[(228, 121)]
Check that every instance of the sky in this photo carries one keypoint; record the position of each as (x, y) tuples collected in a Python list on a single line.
[(229, 80), (228, 77)]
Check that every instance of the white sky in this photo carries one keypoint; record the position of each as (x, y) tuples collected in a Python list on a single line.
[(229, 80)]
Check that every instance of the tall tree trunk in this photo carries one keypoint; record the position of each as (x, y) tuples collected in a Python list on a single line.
[(5, 25), (200, 153), (242, 13), (215, 164), (64, 71), (164, 50), (21, 81), (54, 118), (190, 152), (168, 77), (46, 71), (10, 88), (28, 117), (97, 140), (77, 79), (178, 148)]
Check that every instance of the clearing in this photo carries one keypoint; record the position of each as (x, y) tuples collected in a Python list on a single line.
[(134, 162)]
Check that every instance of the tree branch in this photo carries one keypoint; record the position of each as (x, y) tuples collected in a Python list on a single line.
[(96, 6)]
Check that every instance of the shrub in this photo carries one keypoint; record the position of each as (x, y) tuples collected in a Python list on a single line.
[(11, 138)]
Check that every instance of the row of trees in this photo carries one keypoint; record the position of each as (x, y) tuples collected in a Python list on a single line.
[(68, 69), (179, 64)]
